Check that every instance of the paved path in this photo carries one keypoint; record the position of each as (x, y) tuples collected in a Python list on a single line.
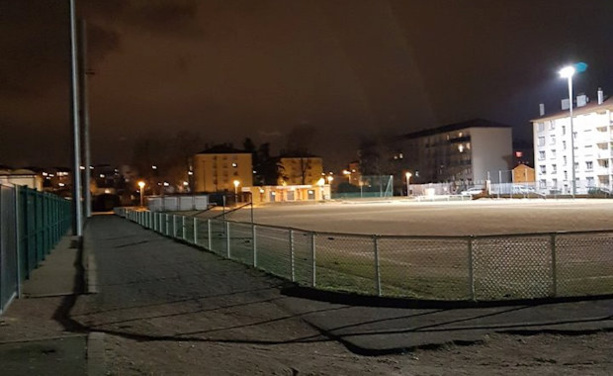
[(145, 279)]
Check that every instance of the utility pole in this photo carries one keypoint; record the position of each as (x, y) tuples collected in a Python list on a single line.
[(87, 199)]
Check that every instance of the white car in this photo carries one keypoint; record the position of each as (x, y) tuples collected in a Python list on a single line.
[(472, 191)]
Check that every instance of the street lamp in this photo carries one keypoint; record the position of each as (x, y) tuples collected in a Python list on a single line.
[(408, 176), (348, 173), (141, 185), (568, 73), (236, 183)]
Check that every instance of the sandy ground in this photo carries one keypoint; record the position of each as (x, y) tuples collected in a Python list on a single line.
[(479, 217)]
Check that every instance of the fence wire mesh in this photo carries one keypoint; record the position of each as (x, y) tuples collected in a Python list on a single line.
[(522, 266), (584, 264), (512, 267), (424, 268)]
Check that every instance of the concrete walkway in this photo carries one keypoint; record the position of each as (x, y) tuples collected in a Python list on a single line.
[(34, 336)]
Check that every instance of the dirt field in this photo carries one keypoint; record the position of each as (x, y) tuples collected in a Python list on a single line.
[(435, 268), (479, 217)]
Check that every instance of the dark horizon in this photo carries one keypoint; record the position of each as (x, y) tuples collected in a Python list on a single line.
[(346, 69)]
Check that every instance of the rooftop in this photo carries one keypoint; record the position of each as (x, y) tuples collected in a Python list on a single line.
[(590, 107), (474, 123), (223, 149)]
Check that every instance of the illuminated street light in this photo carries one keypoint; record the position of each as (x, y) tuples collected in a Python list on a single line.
[(568, 73), (141, 185), (236, 184), (408, 176), (348, 173)]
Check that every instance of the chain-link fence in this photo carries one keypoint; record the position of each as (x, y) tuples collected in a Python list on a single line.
[(31, 224), (504, 267)]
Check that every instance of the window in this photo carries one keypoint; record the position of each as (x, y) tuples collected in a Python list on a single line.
[(554, 183), (563, 130), (564, 145), (553, 153), (541, 141), (543, 169), (543, 184), (564, 160), (552, 139), (589, 165), (590, 181), (541, 155), (554, 168), (576, 166), (552, 125), (541, 127), (565, 175)]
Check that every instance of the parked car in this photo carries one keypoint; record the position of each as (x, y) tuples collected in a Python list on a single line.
[(472, 191)]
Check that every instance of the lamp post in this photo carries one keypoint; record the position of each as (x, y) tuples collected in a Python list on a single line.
[(568, 73), (236, 183), (348, 174), (408, 176), (141, 185)]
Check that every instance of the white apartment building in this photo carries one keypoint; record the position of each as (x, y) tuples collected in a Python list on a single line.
[(593, 143), (467, 152)]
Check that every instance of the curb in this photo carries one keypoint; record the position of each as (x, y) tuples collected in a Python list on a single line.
[(95, 354)]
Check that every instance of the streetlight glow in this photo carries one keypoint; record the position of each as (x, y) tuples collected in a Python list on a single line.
[(567, 72), (141, 185)]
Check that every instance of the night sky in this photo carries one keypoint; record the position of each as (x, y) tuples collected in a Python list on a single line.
[(228, 69)]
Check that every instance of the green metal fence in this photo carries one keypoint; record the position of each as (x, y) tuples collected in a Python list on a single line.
[(31, 224)]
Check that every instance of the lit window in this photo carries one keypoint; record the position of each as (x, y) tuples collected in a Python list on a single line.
[(543, 169), (589, 165), (234, 165), (541, 154)]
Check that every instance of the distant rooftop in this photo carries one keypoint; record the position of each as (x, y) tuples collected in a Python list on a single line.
[(474, 123), (223, 149), (590, 107)]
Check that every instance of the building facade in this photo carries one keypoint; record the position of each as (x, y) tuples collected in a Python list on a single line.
[(468, 153), (306, 170), (593, 144), (218, 168)]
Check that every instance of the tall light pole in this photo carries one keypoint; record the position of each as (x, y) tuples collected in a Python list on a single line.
[(408, 176), (568, 73), (76, 135)]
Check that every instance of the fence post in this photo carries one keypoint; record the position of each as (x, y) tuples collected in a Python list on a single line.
[(228, 251), (183, 227), (195, 230), (209, 232), (313, 261), (375, 239), (554, 271), (471, 276), (167, 225), (291, 255), (174, 226), (17, 242), (255, 245)]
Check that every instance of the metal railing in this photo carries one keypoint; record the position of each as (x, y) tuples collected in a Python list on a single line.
[(31, 224), (495, 267)]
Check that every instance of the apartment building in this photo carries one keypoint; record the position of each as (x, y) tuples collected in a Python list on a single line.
[(218, 168), (461, 152), (593, 142), (300, 170)]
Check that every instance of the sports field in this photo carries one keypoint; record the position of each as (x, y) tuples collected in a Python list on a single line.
[(484, 249), (479, 217)]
